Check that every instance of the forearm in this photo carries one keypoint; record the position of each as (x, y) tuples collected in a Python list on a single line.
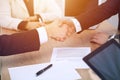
[(19, 43), (98, 14)]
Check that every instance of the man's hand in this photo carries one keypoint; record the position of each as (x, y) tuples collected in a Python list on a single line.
[(57, 31), (70, 24)]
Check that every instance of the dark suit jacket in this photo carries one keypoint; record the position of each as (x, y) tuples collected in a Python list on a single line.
[(19, 43), (99, 13)]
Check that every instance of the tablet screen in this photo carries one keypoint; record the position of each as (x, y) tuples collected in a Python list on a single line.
[(105, 61)]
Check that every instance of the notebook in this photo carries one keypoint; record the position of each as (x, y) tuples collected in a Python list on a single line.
[(105, 60)]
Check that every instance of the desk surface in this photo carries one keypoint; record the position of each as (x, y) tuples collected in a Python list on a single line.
[(44, 54)]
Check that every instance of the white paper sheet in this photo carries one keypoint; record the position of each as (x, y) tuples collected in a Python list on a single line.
[(72, 54), (59, 71)]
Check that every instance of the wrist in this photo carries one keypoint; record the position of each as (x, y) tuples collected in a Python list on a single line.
[(76, 25), (48, 30), (43, 37)]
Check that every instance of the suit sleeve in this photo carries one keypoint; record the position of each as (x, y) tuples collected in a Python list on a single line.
[(98, 14), (19, 43)]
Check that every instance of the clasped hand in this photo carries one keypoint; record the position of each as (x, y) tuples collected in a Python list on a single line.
[(60, 29)]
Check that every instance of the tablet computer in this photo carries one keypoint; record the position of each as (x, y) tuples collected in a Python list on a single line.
[(105, 60)]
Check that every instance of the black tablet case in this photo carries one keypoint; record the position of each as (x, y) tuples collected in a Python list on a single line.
[(105, 61)]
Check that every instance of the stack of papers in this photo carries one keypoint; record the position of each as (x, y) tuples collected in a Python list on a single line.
[(61, 70), (72, 54)]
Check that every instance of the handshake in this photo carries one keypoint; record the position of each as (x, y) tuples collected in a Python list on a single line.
[(60, 29)]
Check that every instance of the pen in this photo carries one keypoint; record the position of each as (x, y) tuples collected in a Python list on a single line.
[(43, 70)]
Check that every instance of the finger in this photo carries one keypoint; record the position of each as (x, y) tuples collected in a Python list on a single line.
[(94, 40), (95, 37), (42, 24), (54, 38), (61, 23), (58, 39), (68, 34)]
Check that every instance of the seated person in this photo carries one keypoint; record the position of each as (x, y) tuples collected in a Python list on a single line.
[(21, 14)]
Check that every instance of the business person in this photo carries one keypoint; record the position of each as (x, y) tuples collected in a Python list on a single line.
[(24, 14), (31, 40), (96, 15)]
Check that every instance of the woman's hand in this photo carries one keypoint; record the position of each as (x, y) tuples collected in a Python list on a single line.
[(33, 25)]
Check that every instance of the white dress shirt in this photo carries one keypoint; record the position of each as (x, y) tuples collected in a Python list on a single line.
[(12, 12)]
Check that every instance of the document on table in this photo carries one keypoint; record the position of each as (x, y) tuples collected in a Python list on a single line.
[(61, 70), (72, 54)]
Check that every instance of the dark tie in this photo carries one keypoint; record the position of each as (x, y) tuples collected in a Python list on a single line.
[(30, 6)]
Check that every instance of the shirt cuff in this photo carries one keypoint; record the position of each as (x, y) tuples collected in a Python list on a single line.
[(43, 37), (77, 25), (111, 37), (93, 27)]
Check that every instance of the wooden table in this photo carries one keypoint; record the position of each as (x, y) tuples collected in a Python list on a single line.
[(44, 54)]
